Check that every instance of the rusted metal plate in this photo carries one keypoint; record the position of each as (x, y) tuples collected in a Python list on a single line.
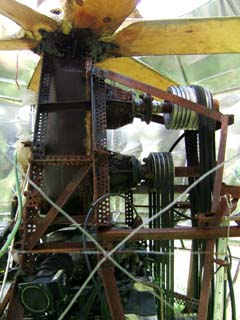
[(52, 213)]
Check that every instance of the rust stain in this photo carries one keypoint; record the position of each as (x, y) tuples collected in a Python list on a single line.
[(88, 140)]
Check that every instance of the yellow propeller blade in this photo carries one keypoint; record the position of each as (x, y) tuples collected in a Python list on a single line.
[(35, 80), (18, 44), (136, 70), (180, 36), (101, 16), (26, 17)]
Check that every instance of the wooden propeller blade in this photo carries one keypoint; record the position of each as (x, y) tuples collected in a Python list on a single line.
[(136, 70), (18, 44), (26, 17), (101, 16), (180, 36), (35, 80)]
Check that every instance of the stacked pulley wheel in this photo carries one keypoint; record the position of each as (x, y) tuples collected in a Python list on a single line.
[(183, 118), (200, 152), (160, 177)]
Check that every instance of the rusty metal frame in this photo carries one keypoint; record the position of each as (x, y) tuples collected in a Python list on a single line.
[(111, 236), (213, 232), (99, 163), (219, 209), (218, 214)]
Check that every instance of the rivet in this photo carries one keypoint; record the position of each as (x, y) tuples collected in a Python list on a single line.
[(107, 19)]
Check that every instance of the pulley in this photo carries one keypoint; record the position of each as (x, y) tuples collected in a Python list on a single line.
[(159, 165), (160, 178), (182, 118)]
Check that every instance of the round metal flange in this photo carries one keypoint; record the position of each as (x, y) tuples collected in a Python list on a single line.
[(159, 165), (181, 118), (170, 119)]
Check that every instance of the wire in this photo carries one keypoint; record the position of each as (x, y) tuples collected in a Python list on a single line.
[(6, 272), (186, 191), (177, 142), (12, 235), (93, 205), (182, 215), (230, 256), (110, 253), (231, 293), (107, 255), (10, 258)]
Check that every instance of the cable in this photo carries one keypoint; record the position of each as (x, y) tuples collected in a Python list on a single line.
[(9, 261), (182, 215), (231, 293), (100, 199), (230, 256), (110, 253), (177, 142), (10, 258), (11, 236), (230, 285), (179, 198), (107, 255), (92, 206)]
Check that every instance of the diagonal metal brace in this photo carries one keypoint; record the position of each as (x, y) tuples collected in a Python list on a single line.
[(156, 92), (15, 309), (52, 213)]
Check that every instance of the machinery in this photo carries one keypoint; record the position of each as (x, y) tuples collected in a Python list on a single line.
[(113, 271)]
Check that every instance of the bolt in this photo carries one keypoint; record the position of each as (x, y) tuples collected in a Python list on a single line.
[(107, 19)]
